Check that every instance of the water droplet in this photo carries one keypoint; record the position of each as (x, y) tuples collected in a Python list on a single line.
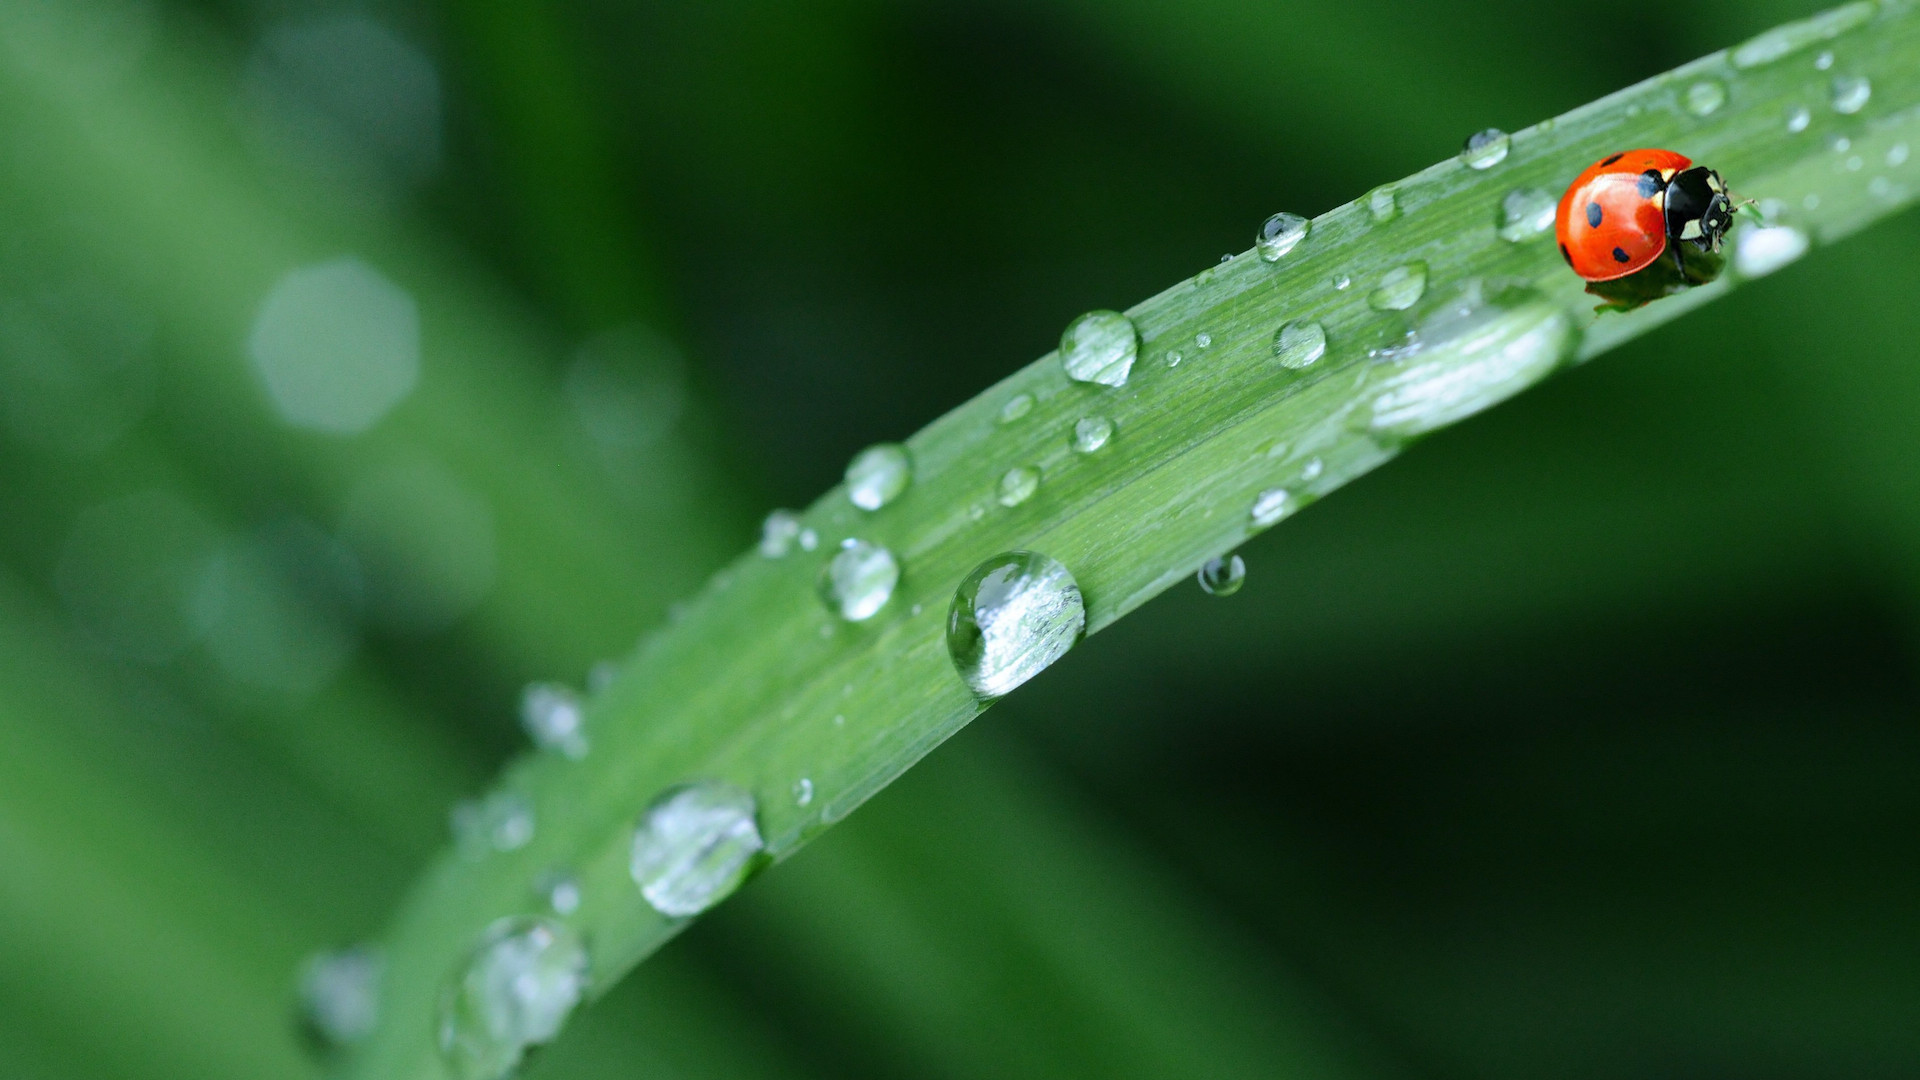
[(1758, 252), (1784, 41), (976, 512), (1468, 356), (1222, 577), (1855, 164), (802, 791), (1271, 505), (1840, 144), (1485, 149), (1016, 407), (1227, 258), (1202, 339), (858, 581), (695, 846), (1018, 485), (1400, 289), (1298, 344), (1099, 347), (1279, 234), (554, 719), (1312, 469), (877, 475), (1880, 188), (1012, 617), (560, 891), (1526, 213), (778, 533), (1090, 433), (1799, 118), (1383, 204), (809, 539), (340, 994), (503, 821), (1174, 356), (1851, 93), (1705, 97), (515, 991), (1342, 283), (839, 721), (1897, 155), (1824, 60)]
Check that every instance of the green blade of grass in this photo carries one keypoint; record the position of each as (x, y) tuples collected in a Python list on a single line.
[(758, 685)]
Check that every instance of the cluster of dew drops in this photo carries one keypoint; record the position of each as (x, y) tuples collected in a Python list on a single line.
[(1010, 618)]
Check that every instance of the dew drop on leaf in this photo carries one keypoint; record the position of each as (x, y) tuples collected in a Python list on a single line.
[(1222, 576), (694, 847), (1011, 618), (515, 991), (1280, 234), (859, 580), (877, 475), (1099, 347)]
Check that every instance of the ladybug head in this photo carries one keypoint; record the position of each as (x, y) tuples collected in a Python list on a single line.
[(1698, 208)]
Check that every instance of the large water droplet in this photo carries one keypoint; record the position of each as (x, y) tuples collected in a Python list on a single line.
[(1526, 213), (778, 533), (1799, 118), (1018, 485), (1272, 505), (1016, 407), (858, 581), (1758, 252), (1485, 149), (515, 991), (1279, 234), (340, 994), (1705, 97), (1099, 347), (1383, 205), (695, 846), (1011, 618), (1468, 356), (1090, 433), (1222, 576), (503, 821), (555, 719), (1400, 289), (1298, 344), (877, 475), (1851, 94)]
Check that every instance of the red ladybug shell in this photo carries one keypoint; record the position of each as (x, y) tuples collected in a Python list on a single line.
[(1612, 221)]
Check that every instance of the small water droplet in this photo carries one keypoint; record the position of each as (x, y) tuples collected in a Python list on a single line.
[(877, 475), (1222, 576), (1526, 213), (1383, 204), (1839, 144), (1485, 149), (1174, 357), (859, 580), (1280, 234), (1342, 283), (694, 847), (1099, 347), (554, 719), (1202, 340), (1897, 155), (503, 821), (515, 991), (778, 533), (839, 720), (1758, 252), (1272, 505), (1799, 118), (1705, 97), (1812, 201), (560, 891), (340, 994), (1400, 289), (1018, 485), (809, 540), (1227, 258), (1855, 164), (1011, 618), (1298, 344), (1468, 356), (802, 791), (1824, 60), (976, 512), (1312, 469), (1090, 433), (1016, 407), (1880, 188), (1851, 93)]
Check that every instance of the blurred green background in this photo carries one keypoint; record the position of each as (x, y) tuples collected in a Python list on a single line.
[(363, 361)]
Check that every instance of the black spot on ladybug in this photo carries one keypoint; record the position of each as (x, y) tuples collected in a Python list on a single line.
[(1593, 214), (1649, 184), (1611, 160), (1620, 255), (1565, 254)]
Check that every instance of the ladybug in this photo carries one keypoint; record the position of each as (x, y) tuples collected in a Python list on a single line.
[(1643, 224)]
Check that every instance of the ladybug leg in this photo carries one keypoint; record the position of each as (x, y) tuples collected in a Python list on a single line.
[(1679, 260)]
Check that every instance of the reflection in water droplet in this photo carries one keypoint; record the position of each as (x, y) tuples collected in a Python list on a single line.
[(778, 533), (802, 791), (337, 346), (1342, 283), (1173, 357), (1400, 289), (340, 994), (1312, 469), (1099, 347), (1202, 340), (502, 821), (1222, 577), (1526, 213), (858, 581), (1799, 118), (1016, 407), (515, 991), (1018, 485), (695, 846), (1011, 618), (1851, 94), (1298, 344), (554, 719), (1485, 149), (1271, 505), (1705, 97), (1383, 204), (1279, 234), (1469, 356), (1090, 433), (1758, 252), (877, 475)]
